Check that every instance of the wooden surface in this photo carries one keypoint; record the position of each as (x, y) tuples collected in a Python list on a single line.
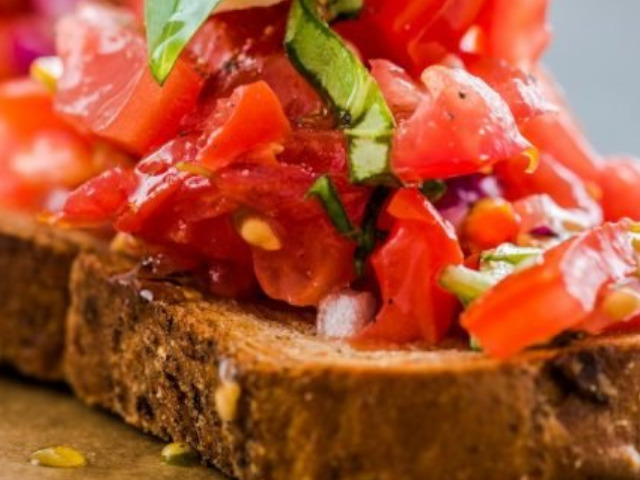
[(34, 417)]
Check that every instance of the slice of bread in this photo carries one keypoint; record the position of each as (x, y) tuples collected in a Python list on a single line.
[(35, 263), (262, 398)]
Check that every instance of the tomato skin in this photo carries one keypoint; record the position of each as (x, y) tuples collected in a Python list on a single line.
[(412, 34), (39, 153), (514, 30), (419, 246), (100, 199), (551, 179), (569, 279), (107, 87), (251, 123), (560, 136), (620, 178), (461, 127), (519, 90)]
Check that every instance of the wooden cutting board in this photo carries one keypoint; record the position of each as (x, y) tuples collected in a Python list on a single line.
[(34, 417)]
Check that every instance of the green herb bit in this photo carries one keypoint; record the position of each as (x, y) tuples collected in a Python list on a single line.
[(325, 191), (58, 457), (328, 63), (466, 284), (171, 24), (370, 234), (434, 190), (343, 8), (180, 455), (512, 254)]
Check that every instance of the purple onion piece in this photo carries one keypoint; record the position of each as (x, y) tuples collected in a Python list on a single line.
[(31, 38)]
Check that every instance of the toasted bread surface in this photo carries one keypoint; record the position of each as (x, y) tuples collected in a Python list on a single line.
[(262, 398), (35, 263)]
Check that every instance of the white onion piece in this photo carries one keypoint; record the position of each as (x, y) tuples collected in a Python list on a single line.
[(345, 314), (227, 5)]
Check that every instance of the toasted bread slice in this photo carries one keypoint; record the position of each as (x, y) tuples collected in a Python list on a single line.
[(262, 398), (35, 262)]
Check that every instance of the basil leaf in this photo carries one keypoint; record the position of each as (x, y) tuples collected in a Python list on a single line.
[(171, 24), (325, 191), (343, 8), (326, 61), (367, 236), (370, 234)]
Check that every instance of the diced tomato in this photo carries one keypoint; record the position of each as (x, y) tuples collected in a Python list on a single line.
[(400, 91), (19, 99), (314, 259), (559, 135), (407, 266), (620, 183), (519, 89), (38, 152), (514, 30), (557, 295), (413, 34), (250, 125), (232, 47), (550, 178), (107, 87), (460, 127), (100, 199)]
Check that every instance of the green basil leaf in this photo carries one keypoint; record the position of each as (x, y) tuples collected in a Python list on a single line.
[(171, 24), (325, 191), (328, 63), (343, 8)]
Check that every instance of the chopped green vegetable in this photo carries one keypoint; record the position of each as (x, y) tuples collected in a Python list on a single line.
[(170, 26), (328, 63), (367, 235), (343, 8), (466, 284), (325, 191), (511, 254), (434, 190), (370, 234)]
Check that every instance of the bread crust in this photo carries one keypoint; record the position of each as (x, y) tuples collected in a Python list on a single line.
[(159, 355), (35, 261)]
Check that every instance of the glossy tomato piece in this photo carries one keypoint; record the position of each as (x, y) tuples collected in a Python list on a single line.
[(314, 259), (250, 125), (100, 199), (460, 127), (620, 181), (107, 87), (412, 34), (559, 183), (407, 266), (534, 305), (38, 151), (514, 30), (559, 135), (519, 89)]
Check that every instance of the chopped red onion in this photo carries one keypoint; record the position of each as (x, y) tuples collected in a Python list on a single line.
[(346, 313), (31, 38), (54, 8)]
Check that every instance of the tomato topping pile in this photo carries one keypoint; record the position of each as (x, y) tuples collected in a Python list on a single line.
[(415, 152)]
